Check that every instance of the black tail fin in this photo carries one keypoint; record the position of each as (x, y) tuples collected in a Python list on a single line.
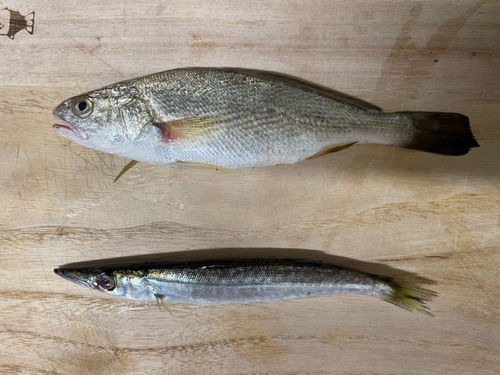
[(441, 133)]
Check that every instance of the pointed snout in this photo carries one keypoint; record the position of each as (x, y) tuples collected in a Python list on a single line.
[(78, 277)]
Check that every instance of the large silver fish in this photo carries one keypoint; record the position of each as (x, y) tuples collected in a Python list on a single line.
[(237, 118), (220, 282)]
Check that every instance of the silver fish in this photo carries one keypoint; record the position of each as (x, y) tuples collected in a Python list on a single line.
[(238, 118), (228, 281)]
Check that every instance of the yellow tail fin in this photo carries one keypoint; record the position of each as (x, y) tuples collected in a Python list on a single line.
[(410, 297)]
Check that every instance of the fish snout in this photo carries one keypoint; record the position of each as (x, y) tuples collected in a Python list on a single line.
[(65, 274), (77, 277)]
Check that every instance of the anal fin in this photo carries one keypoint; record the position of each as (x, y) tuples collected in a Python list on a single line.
[(331, 149)]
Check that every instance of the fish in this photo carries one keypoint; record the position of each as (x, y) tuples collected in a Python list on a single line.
[(236, 281), (12, 22), (234, 118)]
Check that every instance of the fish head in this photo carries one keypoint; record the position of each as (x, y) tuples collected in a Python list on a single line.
[(93, 278), (108, 120)]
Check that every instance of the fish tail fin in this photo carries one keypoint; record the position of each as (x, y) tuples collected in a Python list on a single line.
[(410, 296), (30, 22), (441, 133), (30, 16)]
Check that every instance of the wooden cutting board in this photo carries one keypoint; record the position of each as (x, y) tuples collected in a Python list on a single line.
[(426, 218)]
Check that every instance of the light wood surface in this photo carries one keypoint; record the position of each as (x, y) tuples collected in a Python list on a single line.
[(422, 217)]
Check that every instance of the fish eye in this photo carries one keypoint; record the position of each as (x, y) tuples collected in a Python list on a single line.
[(82, 107), (105, 282)]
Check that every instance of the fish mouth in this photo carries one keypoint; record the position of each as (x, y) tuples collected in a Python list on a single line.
[(68, 131)]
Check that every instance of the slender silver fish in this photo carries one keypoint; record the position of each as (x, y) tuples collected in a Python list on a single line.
[(239, 118), (228, 281)]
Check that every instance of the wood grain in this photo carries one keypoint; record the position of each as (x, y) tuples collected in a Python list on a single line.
[(421, 217)]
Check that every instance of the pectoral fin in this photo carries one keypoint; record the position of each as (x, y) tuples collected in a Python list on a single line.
[(331, 149), (189, 127), (161, 298)]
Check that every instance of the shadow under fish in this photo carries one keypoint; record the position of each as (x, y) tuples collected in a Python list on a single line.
[(12, 22)]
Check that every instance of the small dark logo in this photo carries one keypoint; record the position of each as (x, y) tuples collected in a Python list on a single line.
[(11, 22)]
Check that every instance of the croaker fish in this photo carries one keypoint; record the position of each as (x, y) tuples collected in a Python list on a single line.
[(228, 281), (238, 118)]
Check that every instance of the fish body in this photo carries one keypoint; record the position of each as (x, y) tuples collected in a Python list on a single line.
[(12, 22), (238, 118), (229, 281)]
